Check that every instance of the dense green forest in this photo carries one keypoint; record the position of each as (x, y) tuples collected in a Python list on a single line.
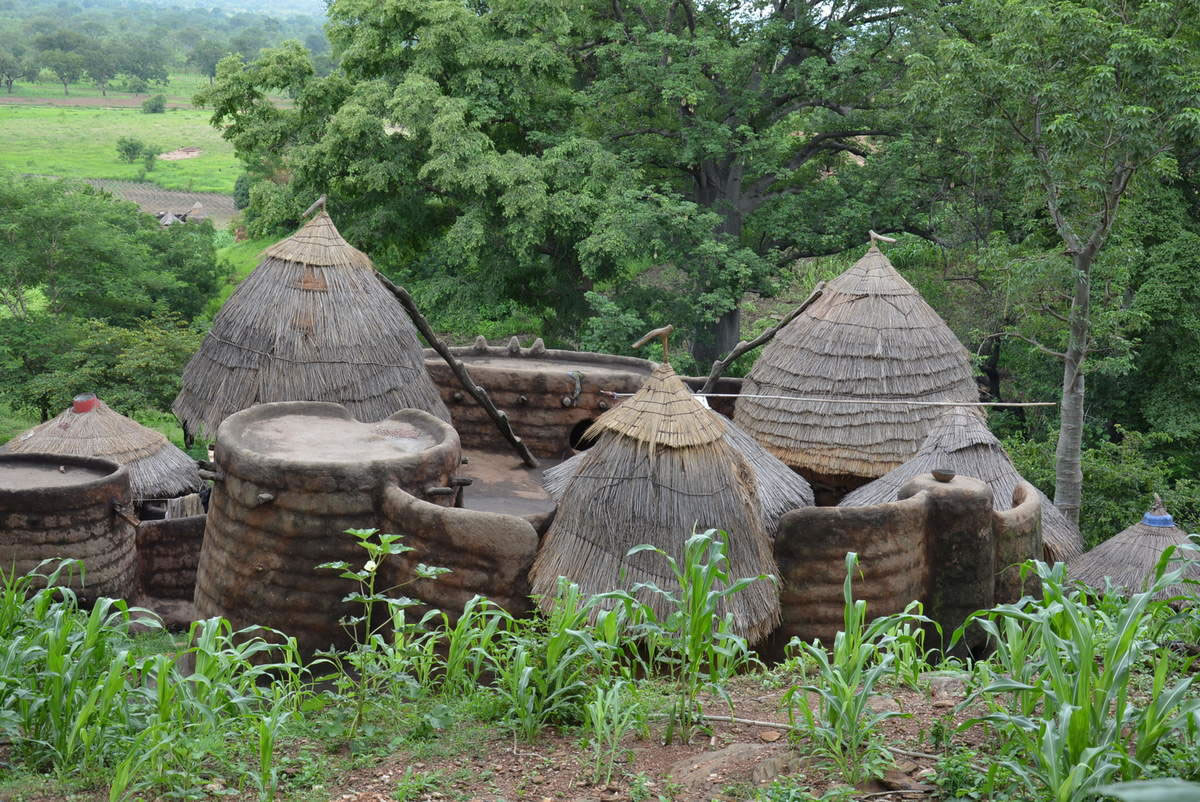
[(588, 170), (137, 44)]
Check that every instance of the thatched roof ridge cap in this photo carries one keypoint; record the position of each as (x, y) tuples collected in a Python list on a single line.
[(318, 243), (662, 413)]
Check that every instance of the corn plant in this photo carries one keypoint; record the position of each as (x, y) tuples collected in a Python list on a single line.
[(541, 667), (843, 727), (467, 640), (1067, 715), (608, 717), (694, 644)]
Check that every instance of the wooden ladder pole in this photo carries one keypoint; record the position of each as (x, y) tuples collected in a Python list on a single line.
[(460, 370)]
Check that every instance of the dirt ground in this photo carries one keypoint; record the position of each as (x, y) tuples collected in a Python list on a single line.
[(730, 762), (112, 102)]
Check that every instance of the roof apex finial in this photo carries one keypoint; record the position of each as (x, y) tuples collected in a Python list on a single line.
[(879, 238), (319, 203), (663, 332)]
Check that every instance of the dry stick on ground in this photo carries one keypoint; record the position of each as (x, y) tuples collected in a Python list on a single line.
[(459, 369), (721, 364)]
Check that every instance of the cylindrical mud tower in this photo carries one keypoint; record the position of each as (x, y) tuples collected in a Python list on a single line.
[(69, 507), (296, 475)]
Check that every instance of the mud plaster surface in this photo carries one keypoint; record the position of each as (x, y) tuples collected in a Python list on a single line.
[(28, 477), (323, 439), (546, 365), (502, 483)]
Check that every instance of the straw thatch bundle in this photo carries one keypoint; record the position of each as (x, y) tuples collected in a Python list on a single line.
[(311, 323), (663, 465), (961, 441), (869, 336), (1127, 560), (157, 469)]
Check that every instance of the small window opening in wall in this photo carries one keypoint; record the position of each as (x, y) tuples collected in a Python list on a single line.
[(578, 440)]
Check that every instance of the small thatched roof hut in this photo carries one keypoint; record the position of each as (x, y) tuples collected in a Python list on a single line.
[(1127, 560), (311, 323), (661, 465), (90, 428), (869, 337), (960, 440)]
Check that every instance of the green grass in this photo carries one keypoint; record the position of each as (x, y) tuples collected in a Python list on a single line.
[(13, 422), (82, 143), (244, 256), (179, 89)]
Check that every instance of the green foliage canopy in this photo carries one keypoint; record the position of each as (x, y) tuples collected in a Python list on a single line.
[(541, 150), (82, 275)]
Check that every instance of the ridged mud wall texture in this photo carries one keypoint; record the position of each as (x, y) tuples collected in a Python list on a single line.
[(75, 518), (273, 519), (869, 337), (168, 552), (487, 553), (546, 393), (1018, 531), (960, 440), (939, 543)]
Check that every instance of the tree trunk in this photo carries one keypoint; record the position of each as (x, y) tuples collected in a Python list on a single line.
[(1068, 464), (719, 188)]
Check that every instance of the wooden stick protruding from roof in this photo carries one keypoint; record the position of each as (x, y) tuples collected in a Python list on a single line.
[(742, 347), (499, 417), (880, 238), (319, 203), (663, 333)]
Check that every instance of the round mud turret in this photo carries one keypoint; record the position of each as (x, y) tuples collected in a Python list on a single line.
[(54, 506), (296, 476)]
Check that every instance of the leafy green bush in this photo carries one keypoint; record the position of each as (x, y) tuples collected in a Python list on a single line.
[(130, 149), (1120, 478), (156, 104), (241, 191)]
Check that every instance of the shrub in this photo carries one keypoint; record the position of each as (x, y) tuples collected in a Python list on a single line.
[(154, 105), (130, 149), (241, 191)]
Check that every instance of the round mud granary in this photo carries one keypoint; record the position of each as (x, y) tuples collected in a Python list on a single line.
[(296, 475), (59, 507)]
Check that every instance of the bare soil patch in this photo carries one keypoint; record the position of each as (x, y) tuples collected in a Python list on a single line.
[(82, 101), (188, 152)]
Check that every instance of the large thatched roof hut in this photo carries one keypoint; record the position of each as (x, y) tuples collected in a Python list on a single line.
[(90, 428), (960, 440), (1127, 560), (661, 465), (869, 337), (311, 323)]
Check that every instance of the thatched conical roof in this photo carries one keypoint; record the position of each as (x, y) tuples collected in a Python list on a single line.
[(663, 464), (311, 323), (1127, 560), (960, 440), (157, 469), (869, 336)]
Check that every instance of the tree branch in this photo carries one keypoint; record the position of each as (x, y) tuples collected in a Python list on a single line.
[(1037, 345)]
